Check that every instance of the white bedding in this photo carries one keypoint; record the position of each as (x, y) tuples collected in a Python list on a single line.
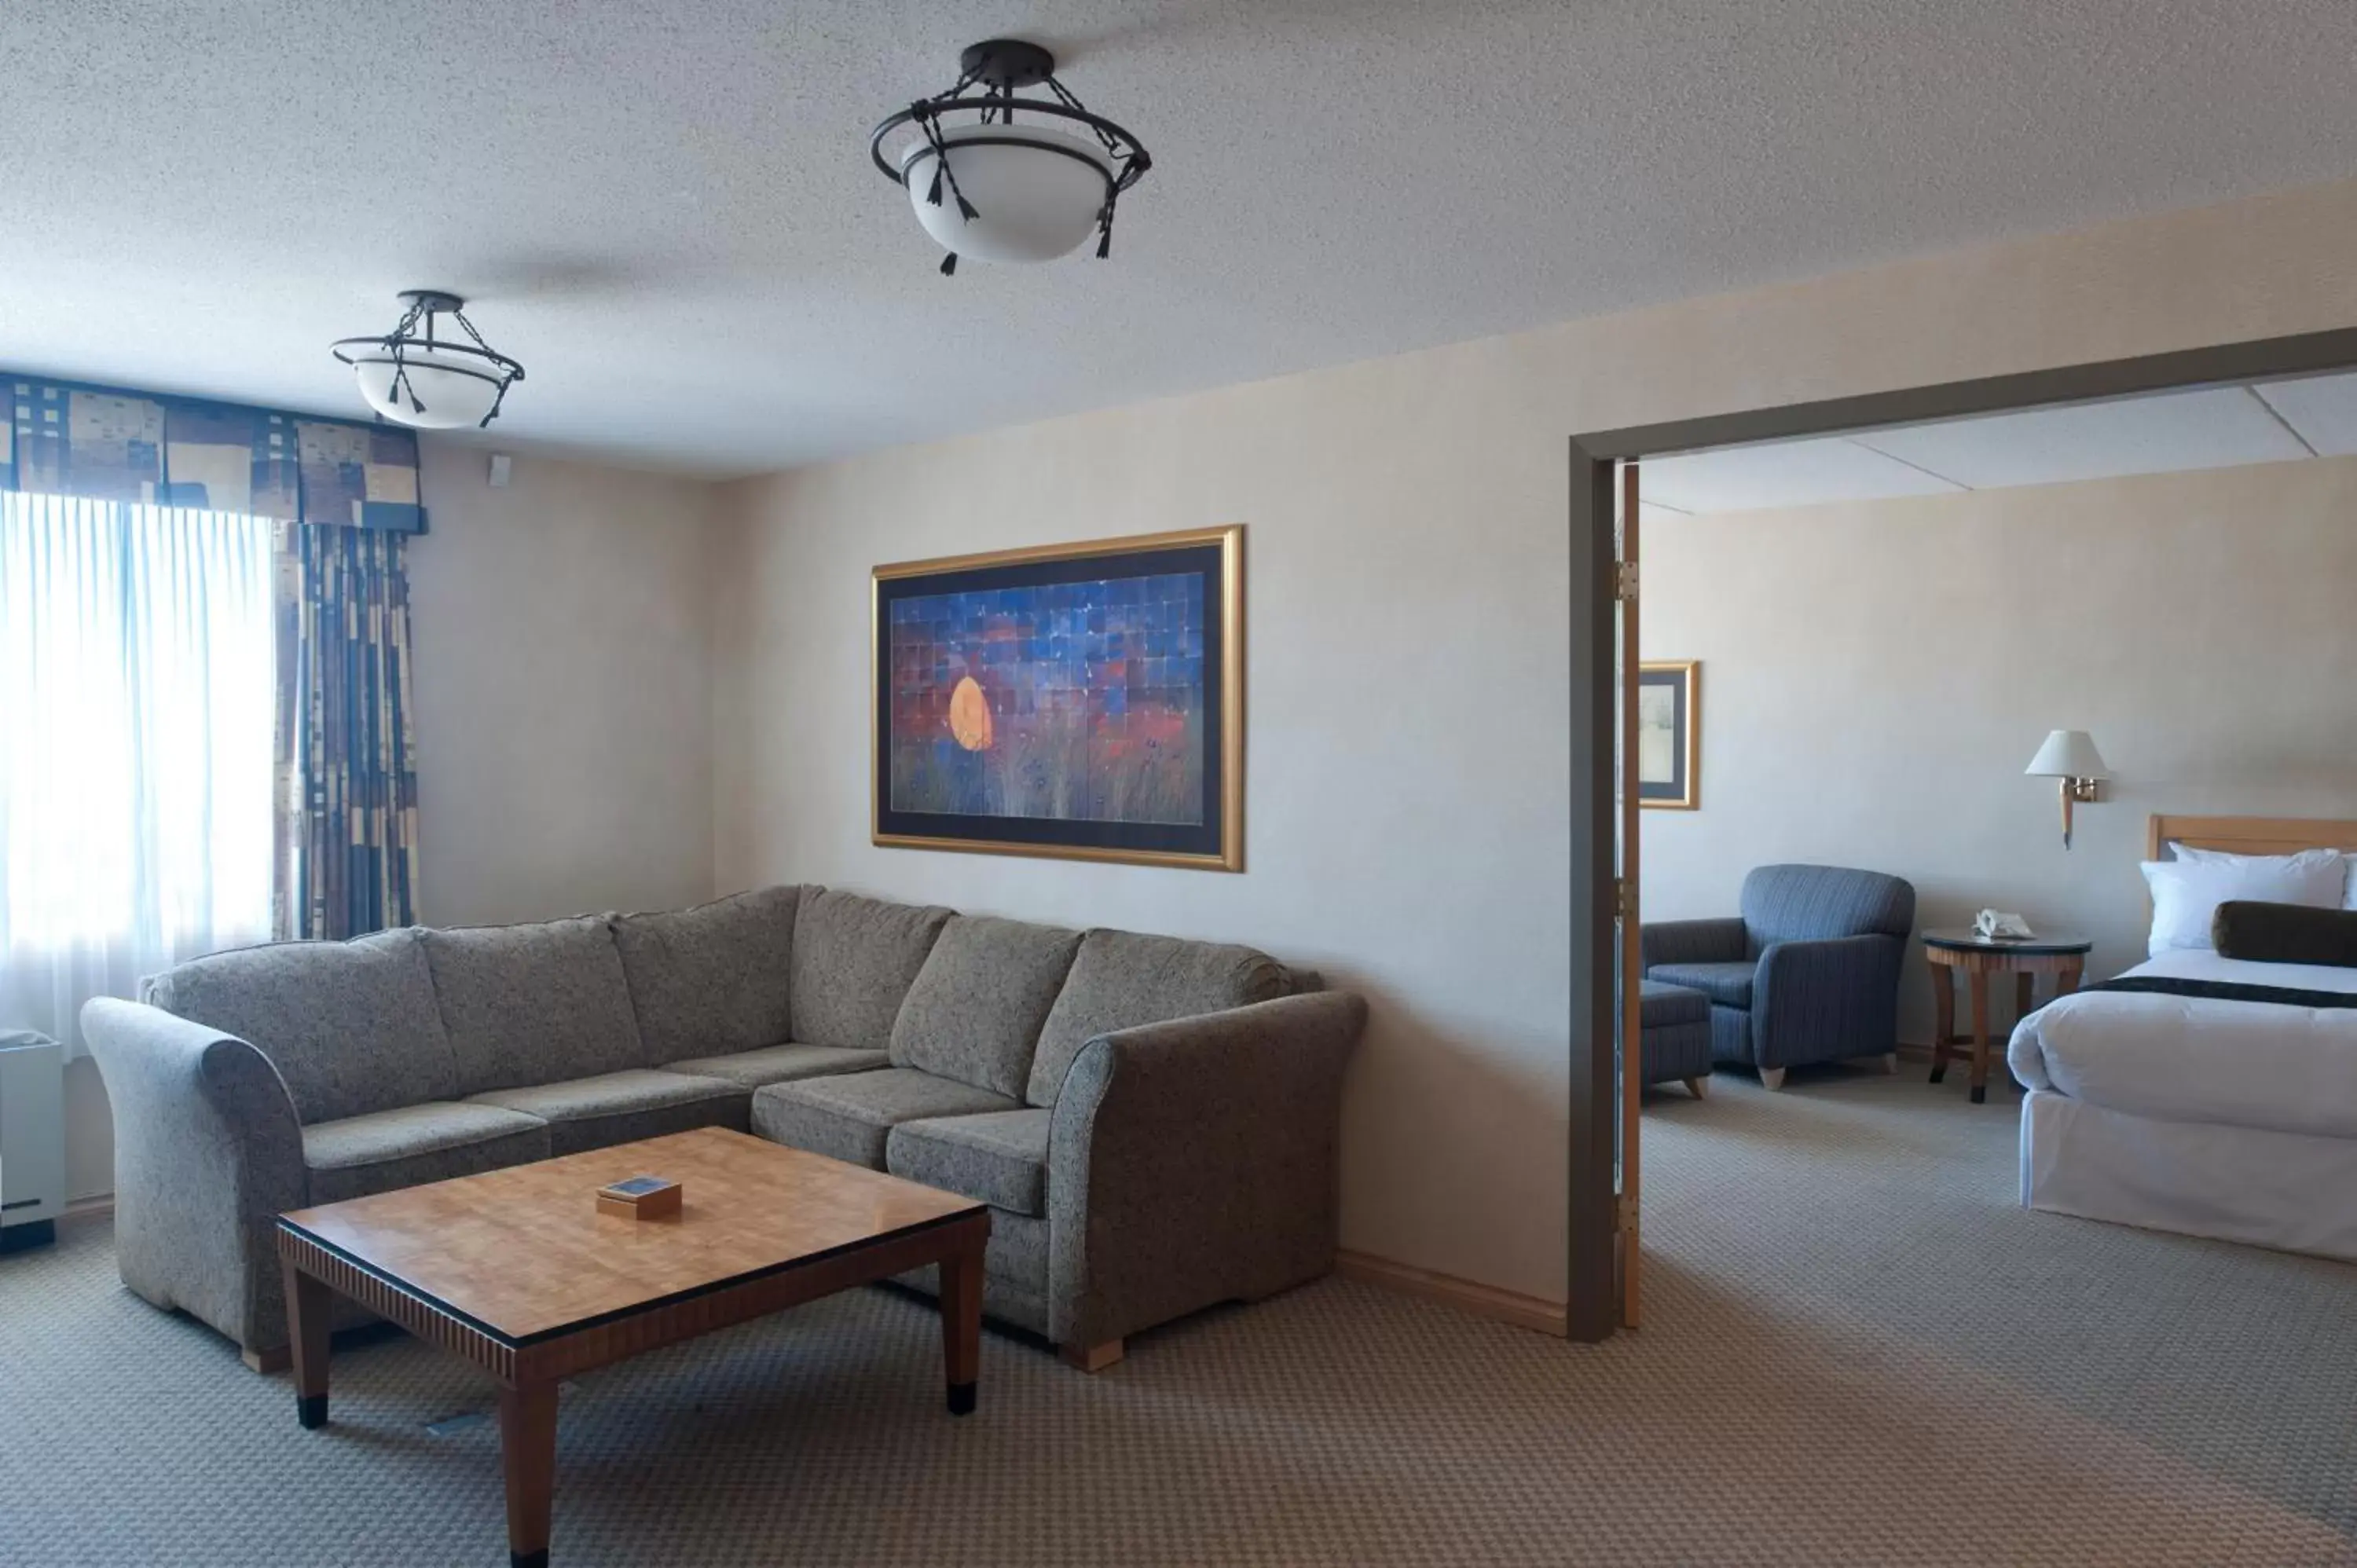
[(2237, 1184), (2263, 1066)]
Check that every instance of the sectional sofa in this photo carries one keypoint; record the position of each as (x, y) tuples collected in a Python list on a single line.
[(1153, 1121)]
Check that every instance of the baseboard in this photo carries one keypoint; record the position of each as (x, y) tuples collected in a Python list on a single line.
[(1466, 1295), (99, 1207)]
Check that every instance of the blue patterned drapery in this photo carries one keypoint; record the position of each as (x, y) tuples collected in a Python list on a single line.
[(346, 855), (345, 497), (63, 438)]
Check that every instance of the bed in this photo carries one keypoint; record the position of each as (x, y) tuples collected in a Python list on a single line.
[(2233, 1118)]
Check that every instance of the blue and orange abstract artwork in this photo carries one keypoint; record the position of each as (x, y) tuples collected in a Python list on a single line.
[(1074, 702)]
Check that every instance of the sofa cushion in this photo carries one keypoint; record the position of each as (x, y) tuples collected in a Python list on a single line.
[(1728, 984), (622, 1107), (527, 1005), (351, 1026), (1121, 979), (975, 1010), (850, 1118), (778, 1064), (712, 980), (999, 1158), (384, 1150), (1662, 1005), (854, 961)]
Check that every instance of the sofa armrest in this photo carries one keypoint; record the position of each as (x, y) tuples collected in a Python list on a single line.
[(1826, 1000), (1196, 1161), (207, 1152), (1690, 942)]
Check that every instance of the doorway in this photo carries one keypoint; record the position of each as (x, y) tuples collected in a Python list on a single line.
[(1605, 1282)]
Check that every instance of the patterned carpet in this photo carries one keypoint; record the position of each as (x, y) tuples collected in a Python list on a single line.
[(1858, 1351)]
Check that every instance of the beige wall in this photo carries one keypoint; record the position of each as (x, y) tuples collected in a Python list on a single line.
[(562, 674), (1404, 829), (564, 669), (1409, 605), (1876, 676), (90, 1133)]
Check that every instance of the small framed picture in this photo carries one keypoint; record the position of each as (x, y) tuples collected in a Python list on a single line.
[(1669, 733)]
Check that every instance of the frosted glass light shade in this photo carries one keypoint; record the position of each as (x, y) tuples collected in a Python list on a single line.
[(1036, 191), (454, 389), (2068, 753)]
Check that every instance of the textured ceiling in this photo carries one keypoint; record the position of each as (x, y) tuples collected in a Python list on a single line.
[(667, 211)]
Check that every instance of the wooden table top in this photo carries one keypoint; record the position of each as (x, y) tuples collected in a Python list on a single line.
[(1963, 938), (524, 1254)]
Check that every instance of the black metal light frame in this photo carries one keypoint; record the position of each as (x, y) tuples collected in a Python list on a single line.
[(425, 304), (989, 72)]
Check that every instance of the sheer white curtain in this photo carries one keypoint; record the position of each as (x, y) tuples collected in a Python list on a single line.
[(136, 707)]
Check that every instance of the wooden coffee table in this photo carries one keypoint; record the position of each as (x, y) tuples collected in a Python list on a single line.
[(517, 1272)]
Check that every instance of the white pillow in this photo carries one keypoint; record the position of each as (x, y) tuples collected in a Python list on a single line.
[(2185, 893), (2305, 857)]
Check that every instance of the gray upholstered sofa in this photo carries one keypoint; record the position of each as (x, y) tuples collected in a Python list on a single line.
[(1808, 972), (1154, 1120)]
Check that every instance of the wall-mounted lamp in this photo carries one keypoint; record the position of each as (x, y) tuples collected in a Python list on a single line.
[(2070, 756)]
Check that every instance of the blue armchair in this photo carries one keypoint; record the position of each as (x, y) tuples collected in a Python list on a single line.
[(1808, 972)]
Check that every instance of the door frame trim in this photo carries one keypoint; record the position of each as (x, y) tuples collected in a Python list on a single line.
[(1591, 1312)]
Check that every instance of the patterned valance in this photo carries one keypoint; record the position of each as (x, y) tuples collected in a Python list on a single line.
[(66, 438)]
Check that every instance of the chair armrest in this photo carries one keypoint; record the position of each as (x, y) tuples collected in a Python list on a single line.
[(207, 1152), (1690, 942), (1826, 1000), (1196, 1161)]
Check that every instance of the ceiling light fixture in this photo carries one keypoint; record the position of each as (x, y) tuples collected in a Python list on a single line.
[(435, 383), (1026, 190)]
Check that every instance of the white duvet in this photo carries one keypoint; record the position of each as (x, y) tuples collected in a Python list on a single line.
[(2180, 1058)]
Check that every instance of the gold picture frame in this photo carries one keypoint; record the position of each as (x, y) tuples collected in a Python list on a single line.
[(1680, 730), (1215, 843)]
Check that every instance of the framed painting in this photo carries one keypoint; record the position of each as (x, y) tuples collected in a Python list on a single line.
[(1083, 701), (1669, 733)]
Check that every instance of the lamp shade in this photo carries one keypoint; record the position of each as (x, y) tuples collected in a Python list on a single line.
[(438, 392), (413, 375), (1035, 192), (2068, 753)]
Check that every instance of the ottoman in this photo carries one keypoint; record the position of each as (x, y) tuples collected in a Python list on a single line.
[(1676, 1036)]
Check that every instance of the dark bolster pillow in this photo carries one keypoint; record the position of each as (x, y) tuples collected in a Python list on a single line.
[(2284, 933)]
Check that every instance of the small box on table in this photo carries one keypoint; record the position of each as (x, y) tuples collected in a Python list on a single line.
[(641, 1197)]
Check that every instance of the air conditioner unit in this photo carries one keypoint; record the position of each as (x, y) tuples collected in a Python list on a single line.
[(32, 1139)]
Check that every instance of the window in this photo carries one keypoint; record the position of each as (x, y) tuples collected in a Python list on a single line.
[(136, 715)]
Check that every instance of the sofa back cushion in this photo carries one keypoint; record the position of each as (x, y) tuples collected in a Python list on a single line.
[(351, 1026), (975, 1010), (854, 961), (1813, 903), (714, 979), (532, 1005), (1121, 979)]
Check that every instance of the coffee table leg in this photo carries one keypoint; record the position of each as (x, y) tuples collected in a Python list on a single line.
[(307, 1304), (962, 1326), (528, 1454)]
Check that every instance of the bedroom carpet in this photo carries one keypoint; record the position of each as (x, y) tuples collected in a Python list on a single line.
[(1858, 1351)]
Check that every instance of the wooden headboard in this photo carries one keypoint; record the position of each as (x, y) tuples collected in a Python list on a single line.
[(2249, 835)]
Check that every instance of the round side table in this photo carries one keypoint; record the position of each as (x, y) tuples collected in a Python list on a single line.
[(2062, 954)]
